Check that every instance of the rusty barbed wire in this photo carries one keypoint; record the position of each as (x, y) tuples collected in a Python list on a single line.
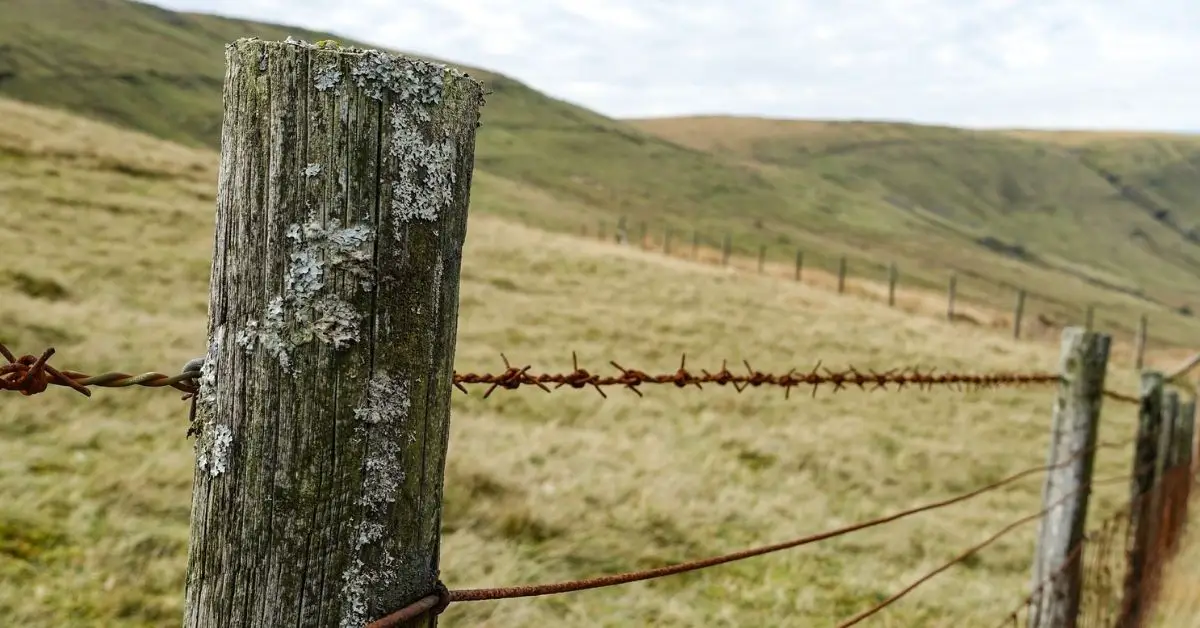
[(31, 375), (443, 597)]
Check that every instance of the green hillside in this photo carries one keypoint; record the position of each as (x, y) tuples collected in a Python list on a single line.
[(1075, 218)]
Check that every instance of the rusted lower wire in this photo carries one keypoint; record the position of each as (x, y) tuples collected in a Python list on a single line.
[(477, 595), (956, 560)]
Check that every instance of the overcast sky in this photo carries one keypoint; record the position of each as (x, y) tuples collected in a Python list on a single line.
[(986, 63)]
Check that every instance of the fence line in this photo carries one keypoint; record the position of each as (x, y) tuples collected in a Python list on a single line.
[(891, 274)]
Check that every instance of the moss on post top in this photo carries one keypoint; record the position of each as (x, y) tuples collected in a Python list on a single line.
[(378, 72)]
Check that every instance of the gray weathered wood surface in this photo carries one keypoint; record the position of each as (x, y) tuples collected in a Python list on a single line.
[(324, 397), (1076, 419)]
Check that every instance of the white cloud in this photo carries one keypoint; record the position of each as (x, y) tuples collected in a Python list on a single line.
[(1029, 63)]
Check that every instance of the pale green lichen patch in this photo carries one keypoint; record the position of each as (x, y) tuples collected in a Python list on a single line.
[(214, 440), (425, 169), (312, 170), (304, 312), (380, 422)]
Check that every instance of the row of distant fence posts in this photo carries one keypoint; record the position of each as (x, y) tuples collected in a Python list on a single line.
[(323, 410), (1160, 485), (893, 277)]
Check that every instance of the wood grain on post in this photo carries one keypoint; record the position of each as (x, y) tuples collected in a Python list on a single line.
[(323, 408), (892, 276), (1018, 314), (762, 257), (951, 291), (1186, 443), (1150, 415), (799, 263), (1076, 417), (1180, 466), (1160, 496), (726, 249), (841, 286), (1139, 342)]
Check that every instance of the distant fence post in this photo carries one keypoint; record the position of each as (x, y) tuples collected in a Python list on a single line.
[(695, 243), (667, 241), (762, 257), (644, 234), (1179, 463), (726, 249), (892, 276), (1018, 313), (841, 285), (1082, 364), (1139, 343), (950, 291), (799, 263), (324, 399), (622, 234), (1145, 455)]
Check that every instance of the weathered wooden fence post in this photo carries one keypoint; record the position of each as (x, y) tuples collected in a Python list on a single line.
[(1139, 343), (799, 263), (1018, 314), (324, 401), (1179, 463), (951, 290), (1082, 364), (1145, 456), (893, 274), (726, 249), (1162, 495), (841, 279)]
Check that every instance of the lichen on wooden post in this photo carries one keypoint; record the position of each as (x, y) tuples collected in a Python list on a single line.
[(1082, 364), (323, 412)]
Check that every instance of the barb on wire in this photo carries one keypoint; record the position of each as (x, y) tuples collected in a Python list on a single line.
[(31, 375), (443, 599)]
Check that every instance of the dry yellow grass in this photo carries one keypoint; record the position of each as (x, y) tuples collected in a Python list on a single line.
[(106, 258)]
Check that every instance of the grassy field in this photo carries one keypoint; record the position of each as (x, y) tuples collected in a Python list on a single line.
[(108, 235), (1074, 218)]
